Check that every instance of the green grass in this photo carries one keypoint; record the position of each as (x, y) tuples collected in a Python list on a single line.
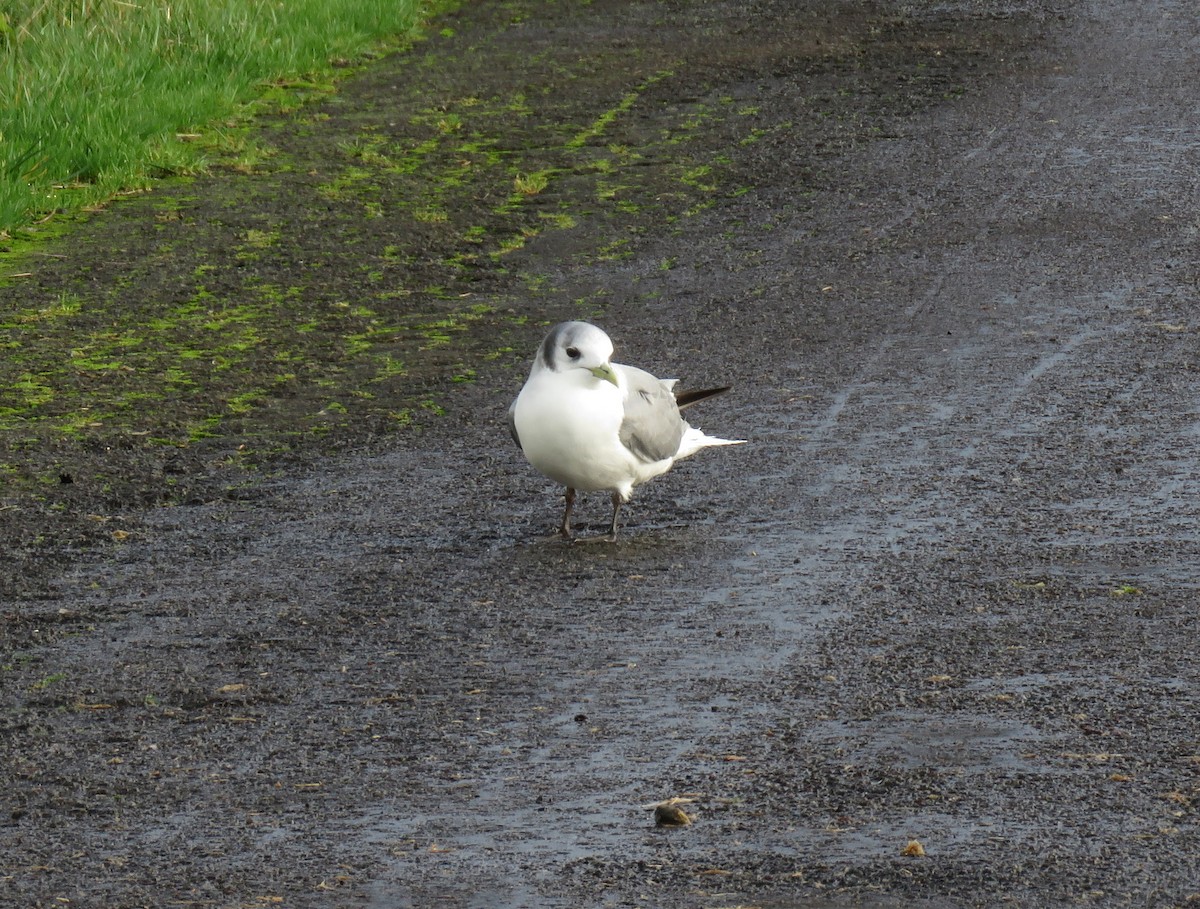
[(99, 97)]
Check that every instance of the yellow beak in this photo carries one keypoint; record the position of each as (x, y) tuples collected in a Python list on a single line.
[(606, 373)]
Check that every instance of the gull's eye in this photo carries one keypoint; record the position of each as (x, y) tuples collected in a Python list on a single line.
[(573, 353)]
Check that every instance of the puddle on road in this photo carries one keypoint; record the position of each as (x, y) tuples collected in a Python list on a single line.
[(652, 682), (970, 743)]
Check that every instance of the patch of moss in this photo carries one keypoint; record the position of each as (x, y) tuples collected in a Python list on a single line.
[(374, 244)]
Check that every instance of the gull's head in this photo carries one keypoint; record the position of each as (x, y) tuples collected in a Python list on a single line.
[(577, 345)]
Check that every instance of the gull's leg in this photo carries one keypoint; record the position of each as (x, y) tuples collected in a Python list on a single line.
[(565, 527), (612, 530)]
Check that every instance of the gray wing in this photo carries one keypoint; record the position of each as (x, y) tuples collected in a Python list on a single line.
[(512, 423), (652, 428)]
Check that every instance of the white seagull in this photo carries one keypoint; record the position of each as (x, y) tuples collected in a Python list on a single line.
[(592, 424)]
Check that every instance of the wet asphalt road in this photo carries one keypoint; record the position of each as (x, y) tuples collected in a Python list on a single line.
[(946, 595)]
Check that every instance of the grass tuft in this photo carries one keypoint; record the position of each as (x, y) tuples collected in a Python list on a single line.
[(99, 97)]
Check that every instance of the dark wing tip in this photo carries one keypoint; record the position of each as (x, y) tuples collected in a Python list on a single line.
[(512, 424), (687, 398)]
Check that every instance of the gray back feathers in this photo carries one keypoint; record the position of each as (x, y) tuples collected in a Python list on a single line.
[(652, 427)]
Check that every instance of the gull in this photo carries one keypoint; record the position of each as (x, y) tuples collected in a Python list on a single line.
[(591, 424)]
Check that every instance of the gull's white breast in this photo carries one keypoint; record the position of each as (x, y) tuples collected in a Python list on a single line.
[(569, 426)]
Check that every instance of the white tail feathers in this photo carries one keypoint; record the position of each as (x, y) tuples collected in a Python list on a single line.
[(694, 439)]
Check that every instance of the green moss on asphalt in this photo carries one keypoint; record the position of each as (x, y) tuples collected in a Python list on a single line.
[(355, 264)]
